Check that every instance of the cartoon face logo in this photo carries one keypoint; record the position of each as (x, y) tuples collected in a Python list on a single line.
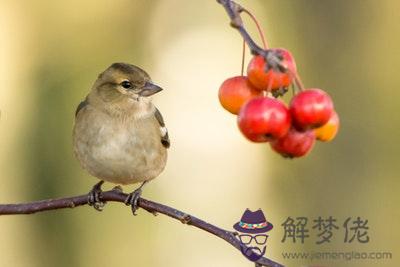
[(252, 228)]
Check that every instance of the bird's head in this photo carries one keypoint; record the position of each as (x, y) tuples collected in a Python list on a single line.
[(121, 86), (123, 89)]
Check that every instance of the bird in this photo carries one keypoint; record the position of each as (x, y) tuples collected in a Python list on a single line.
[(119, 136)]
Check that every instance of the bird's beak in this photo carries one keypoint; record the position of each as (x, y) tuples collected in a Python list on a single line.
[(149, 89)]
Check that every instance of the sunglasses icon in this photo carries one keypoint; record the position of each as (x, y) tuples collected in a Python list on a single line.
[(246, 239)]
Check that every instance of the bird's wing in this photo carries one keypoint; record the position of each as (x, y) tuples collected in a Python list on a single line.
[(81, 105), (164, 132)]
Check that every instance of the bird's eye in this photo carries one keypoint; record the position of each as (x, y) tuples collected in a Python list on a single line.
[(126, 84)]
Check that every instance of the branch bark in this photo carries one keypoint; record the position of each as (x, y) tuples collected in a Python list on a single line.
[(118, 196)]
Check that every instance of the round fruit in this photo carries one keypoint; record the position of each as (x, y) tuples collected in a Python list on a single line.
[(294, 144), (327, 132), (273, 79), (263, 119), (236, 91), (311, 108)]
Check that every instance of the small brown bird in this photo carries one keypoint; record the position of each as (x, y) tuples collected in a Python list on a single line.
[(119, 136)]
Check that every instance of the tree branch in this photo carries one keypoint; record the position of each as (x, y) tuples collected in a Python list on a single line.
[(118, 196)]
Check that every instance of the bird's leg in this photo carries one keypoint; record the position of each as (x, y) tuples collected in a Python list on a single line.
[(133, 198), (94, 197)]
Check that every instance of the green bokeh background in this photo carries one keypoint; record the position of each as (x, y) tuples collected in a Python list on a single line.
[(51, 52)]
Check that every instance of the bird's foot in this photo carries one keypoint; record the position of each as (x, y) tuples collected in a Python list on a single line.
[(132, 200), (94, 197)]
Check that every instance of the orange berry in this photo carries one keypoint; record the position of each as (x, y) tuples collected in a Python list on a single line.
[(235, 92), (329, 130)]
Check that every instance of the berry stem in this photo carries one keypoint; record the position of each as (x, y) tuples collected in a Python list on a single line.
[(297, 80), (293, 90), (260, 30), (243, 56)]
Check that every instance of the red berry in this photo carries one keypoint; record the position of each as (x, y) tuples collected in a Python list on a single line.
[(273, 79), (311, 108), (294, 144), (236, 91), (263, 119)]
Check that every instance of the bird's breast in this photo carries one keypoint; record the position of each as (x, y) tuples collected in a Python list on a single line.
[(122, 151)]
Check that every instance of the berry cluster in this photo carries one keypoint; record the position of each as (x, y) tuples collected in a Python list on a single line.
[(262, 117)]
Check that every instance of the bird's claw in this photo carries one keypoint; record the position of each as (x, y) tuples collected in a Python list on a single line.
[(94, 197), (132, 200)]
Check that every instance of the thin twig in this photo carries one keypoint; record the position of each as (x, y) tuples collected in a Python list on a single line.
[(233, 10), (118, 196)]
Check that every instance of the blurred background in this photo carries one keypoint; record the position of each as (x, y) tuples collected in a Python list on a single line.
[(52, 51)]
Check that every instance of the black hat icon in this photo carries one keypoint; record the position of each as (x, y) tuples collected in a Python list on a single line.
[(253, 223)]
